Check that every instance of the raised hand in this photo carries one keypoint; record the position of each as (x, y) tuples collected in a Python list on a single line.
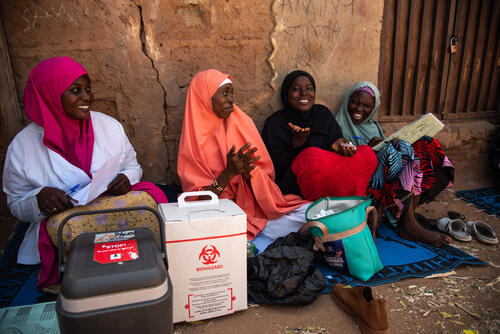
[(299, 135), (343, 147), (52, 200)]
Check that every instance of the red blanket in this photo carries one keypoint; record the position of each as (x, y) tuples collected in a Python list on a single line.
[(322, 173)]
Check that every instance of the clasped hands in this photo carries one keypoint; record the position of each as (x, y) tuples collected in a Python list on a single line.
[(52, 200), (241, 162)]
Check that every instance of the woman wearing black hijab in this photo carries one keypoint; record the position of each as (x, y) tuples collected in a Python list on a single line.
[(301, 124)]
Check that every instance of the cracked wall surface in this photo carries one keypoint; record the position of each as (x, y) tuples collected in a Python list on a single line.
[(142, 54), (104, 36)]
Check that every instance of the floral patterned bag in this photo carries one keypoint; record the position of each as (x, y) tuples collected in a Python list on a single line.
[(105, 222)]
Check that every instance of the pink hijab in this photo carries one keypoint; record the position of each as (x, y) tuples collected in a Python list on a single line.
[(71, 138), (205, 141)]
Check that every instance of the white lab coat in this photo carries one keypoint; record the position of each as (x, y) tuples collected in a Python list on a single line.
[(31, 166)]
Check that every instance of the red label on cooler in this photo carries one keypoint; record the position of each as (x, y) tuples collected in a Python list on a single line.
[(116, 251)]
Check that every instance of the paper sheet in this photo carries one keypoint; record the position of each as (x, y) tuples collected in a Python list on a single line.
[(427, 125), (100, 180), (103, 176)]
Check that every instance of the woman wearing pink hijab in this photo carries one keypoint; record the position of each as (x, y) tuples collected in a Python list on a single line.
[(52, 160), (222, 151)]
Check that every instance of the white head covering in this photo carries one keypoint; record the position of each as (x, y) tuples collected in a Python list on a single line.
[(226, 81)]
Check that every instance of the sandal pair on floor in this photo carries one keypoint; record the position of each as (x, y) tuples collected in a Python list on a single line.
[(462, 231)]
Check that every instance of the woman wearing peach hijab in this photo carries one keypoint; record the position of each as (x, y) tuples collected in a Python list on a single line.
[(221, 150)]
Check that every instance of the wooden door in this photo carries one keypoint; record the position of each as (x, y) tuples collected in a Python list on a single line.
[(419, 73)]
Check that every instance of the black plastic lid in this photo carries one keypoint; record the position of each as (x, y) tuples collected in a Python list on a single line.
[(84, 277)]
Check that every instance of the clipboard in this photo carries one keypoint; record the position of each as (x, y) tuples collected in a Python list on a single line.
[(426, 125)]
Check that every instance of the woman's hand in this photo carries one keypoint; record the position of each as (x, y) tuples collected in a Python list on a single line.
[(299, 135), (374, 141), (238, 163), (119, 186), (52, 200), (241, 162), (343, 147)]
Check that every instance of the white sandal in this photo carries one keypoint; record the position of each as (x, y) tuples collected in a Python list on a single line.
[(482, 231), (456, 228)]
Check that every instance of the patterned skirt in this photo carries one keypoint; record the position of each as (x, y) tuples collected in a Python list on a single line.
[(404, 171)]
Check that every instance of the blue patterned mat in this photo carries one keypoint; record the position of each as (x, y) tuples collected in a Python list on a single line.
[(486, 199), (403, 258), (18, 281)]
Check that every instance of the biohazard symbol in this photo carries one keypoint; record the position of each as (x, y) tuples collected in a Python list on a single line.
[(209, 255)]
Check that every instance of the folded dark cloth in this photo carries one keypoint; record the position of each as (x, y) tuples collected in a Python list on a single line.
[(285, 273)]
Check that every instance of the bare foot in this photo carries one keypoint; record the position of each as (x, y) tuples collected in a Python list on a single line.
[(412, 230), (374, 221)]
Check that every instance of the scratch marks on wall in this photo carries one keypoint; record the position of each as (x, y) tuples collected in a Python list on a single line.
[(191, 14), (30, 18), (34, 15), (306, 35)]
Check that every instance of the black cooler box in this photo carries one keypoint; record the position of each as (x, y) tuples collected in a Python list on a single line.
[(114, 282)]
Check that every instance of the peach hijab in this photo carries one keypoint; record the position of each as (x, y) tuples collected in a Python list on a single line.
[(205, 141)]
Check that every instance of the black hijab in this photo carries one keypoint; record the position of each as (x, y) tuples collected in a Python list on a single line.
[(300, 118), (287, 82), (319, 118)]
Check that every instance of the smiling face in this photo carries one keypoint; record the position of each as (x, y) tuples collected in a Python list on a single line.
[(301, 94), (360, 106), (222, 101), (77, 98)]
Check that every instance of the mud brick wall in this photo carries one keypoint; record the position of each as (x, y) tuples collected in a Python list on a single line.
[(142, 54)]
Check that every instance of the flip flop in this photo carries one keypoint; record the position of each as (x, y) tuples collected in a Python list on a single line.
[(482, 231), (456, 228)]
